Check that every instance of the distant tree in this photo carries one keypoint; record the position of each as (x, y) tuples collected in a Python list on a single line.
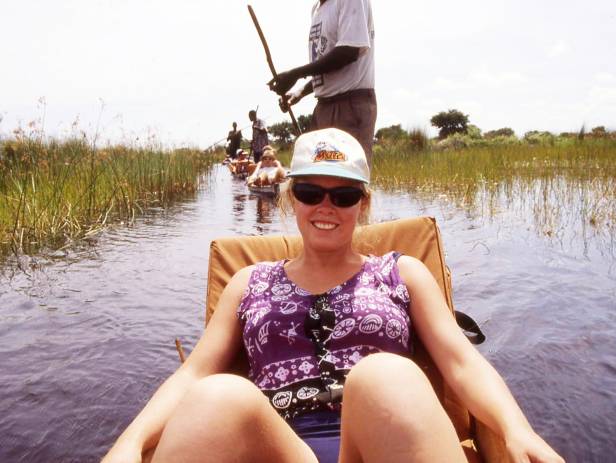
[(281, 132), (599, 131), (450, 122), (473, 132), (304, 121), (393, 132), (535, 137), (504, 132)]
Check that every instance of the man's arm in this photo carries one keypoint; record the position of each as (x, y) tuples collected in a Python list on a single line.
[(336, 59)]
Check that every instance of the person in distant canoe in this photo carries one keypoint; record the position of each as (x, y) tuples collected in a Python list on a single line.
[(328, 336), (341, 47), (235, 139), (259, 135), (268, 171), (241, 166)]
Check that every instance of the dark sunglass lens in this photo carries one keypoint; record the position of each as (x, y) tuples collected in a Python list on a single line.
[(308, 193), (345, 196)]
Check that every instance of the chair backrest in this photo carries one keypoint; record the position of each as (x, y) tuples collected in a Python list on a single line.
[(418, 237)]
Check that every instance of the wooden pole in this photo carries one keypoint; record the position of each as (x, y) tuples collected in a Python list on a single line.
[(268, 55), (180, 349)]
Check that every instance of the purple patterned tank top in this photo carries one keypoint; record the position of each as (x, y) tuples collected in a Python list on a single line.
[(369, 313)]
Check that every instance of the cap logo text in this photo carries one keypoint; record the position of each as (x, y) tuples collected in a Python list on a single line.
[(326, 152)]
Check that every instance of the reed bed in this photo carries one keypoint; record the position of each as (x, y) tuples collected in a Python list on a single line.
[(53, 192), (554, 186)]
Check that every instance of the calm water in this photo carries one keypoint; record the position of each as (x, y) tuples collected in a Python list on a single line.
[(87, 336)]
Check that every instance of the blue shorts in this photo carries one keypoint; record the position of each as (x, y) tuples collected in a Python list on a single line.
[(321, 431)]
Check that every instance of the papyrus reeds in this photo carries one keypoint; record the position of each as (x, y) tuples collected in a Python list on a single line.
[(53, 191)]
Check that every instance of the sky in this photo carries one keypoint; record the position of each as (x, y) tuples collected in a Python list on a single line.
[(180, 72)]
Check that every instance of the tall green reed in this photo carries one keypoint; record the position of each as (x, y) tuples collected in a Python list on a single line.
[(54, 191), (552, 185)]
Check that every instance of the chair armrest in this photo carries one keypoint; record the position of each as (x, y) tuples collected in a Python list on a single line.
[(491, 446)]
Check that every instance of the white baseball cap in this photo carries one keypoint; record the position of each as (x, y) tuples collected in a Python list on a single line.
[(331, 152)]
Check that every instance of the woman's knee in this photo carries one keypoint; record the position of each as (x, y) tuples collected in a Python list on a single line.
[(226, 393), (213, 409), (381, 371), (387, 393)]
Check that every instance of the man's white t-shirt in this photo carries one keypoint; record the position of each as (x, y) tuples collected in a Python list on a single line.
[(343, 23)]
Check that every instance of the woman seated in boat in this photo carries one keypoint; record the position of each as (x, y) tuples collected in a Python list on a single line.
[(327, 336), (268, 171), (241, 165)]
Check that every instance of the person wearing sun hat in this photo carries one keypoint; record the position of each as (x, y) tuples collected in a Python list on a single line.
[(328, 335), (241, 165), (268, 170)]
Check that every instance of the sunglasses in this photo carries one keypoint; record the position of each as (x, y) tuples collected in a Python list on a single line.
[(340, 196)]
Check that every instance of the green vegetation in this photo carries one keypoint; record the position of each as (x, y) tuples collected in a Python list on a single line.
[(553, 185), (52, 192), (282, 133)]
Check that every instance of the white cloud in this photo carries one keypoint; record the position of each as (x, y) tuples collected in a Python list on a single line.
[(443, 83), (602, 95), (605, 77), (496, 79), (405, 94), (557, 49)]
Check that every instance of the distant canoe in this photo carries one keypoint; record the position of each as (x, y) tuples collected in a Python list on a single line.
[(238, 175), (267, 190)]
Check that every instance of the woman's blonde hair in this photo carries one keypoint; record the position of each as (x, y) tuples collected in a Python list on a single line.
[(286, 198)]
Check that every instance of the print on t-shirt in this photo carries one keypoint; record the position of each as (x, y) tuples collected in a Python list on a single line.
[(317, 46)]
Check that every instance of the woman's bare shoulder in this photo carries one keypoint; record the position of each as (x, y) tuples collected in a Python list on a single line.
[(410, 265), (241, 278)]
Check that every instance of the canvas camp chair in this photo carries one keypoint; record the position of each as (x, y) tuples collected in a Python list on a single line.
[(418, 237)]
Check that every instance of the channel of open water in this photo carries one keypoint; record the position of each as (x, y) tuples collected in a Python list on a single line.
[(87, 334)]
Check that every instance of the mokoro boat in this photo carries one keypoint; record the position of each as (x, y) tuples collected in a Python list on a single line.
[(240, 174)]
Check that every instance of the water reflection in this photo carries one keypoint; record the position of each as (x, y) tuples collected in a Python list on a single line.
[(87, 335), (266, 208)]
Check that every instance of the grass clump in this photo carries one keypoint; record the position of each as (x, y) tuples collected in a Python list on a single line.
[(52, 192), (554, 184)]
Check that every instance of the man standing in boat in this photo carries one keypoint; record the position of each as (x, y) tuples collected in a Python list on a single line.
[(235, 139), (341, 45), (259, 135)]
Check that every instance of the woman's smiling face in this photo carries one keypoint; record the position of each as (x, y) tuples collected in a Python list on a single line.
[(324, 226)]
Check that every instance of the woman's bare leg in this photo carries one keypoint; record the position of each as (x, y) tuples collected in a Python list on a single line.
[(390, 414), (225, 418)]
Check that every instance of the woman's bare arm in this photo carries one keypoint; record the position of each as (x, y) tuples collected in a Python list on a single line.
[(471, 376), (213, 354)]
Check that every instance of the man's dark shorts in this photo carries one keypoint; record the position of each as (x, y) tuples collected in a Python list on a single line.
[(353, 111)]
